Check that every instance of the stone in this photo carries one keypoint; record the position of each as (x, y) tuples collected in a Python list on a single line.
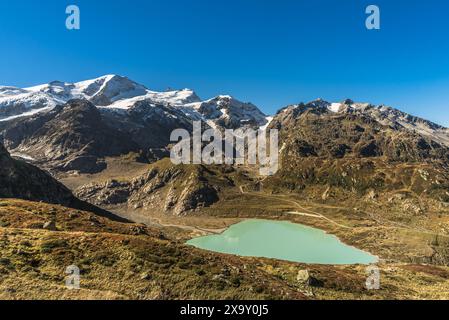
[(49, 225), (145, 276), (303, 276)]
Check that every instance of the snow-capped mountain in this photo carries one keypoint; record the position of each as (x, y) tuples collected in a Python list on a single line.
[(16, 102), (73, 126), (101, 91), (226, 112), (117, 93)]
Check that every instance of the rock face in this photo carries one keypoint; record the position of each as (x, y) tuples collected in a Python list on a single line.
[(304, 277), (148, 125), (196, 194), (173, 189)]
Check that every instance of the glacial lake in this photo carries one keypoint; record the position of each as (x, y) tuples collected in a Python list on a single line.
[(284, 241)]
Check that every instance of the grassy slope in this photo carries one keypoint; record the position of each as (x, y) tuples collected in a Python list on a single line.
[(129, 261), (118, 261)]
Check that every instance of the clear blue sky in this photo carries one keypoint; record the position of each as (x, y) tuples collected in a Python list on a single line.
[(269, 52)]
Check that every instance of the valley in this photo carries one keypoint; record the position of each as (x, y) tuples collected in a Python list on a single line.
[(375, 225), (85, 180)]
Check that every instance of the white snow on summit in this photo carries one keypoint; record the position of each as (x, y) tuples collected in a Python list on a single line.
[(108, 91), (104, 90), (334, 107), (118, 94), (225, 108)]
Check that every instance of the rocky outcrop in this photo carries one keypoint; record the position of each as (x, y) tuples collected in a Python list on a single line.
[(109, 193), (195, 195), (174, 189)]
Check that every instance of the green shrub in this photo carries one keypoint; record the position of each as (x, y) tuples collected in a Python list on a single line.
[(50, 245)]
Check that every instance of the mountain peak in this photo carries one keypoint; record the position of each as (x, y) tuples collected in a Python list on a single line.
[(348, 101), (224, 97), (318, 103), (109, 77)]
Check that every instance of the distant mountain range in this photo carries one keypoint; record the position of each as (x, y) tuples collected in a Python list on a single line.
[(74, 126), (120, 94)]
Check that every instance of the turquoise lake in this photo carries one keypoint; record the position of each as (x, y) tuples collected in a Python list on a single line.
[(284, 241)]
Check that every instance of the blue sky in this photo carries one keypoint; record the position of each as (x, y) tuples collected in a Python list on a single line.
[(271, 53)]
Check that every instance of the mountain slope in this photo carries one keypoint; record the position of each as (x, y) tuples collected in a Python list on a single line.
[(70, 137), (117, 261), (393, 118), (318, 131), (23, 181), (356, 155)]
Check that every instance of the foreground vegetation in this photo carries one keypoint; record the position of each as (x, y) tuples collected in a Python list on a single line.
[(132, 261)]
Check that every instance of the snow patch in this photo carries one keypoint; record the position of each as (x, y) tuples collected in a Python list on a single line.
[(22, 156), (26, 114), (334, 107), (269, 120)]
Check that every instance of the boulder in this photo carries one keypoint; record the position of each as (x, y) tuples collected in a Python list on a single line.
[(49, 225)]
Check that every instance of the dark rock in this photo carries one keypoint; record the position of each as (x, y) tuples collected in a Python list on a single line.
[(369, 150), (304, 277)]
